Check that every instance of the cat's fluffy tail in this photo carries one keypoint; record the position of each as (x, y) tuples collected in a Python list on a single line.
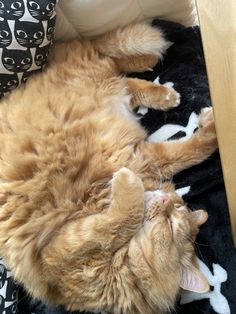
[(133, 40)]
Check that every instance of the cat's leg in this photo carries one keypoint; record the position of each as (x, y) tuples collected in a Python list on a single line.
[(119, 223), (131, 64), (151, 95), (172, 157), (135, 48)]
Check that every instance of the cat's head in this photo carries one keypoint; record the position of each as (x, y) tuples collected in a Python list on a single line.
[(161, 255), (51, 28), (41, 10), (8, 82), (16, 60), (12, 9), (28, 34), (41, 55), (146, 273), (111, 248), (5, 34)]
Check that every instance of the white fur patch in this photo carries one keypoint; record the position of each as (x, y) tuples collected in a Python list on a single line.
[(177, 100), (150, 196), (217, 300), (123, 107)]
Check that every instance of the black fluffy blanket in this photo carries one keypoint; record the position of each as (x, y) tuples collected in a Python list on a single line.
[(202, 186)]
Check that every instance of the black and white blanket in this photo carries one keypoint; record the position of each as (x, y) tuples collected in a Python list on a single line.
[(202, 186)]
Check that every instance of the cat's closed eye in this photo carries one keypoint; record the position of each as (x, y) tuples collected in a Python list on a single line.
[(1, 5)]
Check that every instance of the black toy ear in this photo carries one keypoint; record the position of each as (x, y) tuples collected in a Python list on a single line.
[(193, 280), (199, 216)]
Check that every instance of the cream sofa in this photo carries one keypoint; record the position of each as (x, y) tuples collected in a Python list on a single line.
[(94, 17)]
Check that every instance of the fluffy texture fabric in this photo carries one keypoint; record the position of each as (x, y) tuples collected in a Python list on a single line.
[(202, 186), (26, 33)]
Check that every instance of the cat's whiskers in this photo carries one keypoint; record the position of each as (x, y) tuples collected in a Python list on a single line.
[(189, 238)]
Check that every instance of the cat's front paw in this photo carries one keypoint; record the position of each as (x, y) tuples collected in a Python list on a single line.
[(206, 121), (207, 131), (165, 98), (125, 182), (206, 117)]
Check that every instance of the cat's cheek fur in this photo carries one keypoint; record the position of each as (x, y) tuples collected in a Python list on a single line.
[(144, 257)]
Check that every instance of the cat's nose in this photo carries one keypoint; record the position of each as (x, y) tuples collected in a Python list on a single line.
[(164, 199), (8, 11), (167, 206)]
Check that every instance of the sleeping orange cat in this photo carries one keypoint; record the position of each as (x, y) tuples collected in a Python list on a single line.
[(77, 227)]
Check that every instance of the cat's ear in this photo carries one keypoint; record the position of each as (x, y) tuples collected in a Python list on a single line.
[(199, 216), (193, 280)]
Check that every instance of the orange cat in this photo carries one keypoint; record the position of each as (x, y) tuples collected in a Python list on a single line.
[(75, 227)]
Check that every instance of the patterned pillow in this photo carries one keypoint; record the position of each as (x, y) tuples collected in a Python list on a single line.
[(26, 34)]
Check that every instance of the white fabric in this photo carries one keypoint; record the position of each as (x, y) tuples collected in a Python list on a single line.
[(217, 300), (94, 17)]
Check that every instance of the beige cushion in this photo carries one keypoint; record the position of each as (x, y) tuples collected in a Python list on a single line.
[(93, 17)]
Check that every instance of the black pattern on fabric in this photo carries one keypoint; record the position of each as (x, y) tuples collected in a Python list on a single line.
[(8, 291), (27, 29), (26, 34)]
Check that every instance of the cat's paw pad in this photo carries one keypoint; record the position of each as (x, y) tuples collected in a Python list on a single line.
[(206, 117)]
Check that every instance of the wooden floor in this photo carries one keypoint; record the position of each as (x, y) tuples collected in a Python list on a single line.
[(218, 28)]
